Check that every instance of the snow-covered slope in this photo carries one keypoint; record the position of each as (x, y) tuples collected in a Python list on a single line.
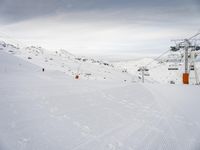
[(49, 110), (61, 60)]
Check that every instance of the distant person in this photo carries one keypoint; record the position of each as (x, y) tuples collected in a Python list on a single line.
[(42, 69), (77, 77)]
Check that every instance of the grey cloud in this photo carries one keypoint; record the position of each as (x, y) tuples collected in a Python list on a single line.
[(125, 10), (14, 10)]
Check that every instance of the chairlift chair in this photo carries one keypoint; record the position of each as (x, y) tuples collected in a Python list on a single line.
[(173, 67)]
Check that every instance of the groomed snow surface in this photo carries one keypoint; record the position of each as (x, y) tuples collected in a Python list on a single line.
[(52, 111)]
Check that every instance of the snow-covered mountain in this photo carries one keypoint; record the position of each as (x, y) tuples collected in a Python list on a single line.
[(61, 60), (50, 110), (167, 69)]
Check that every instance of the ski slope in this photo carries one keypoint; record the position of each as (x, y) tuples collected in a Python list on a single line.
[(51, 110)]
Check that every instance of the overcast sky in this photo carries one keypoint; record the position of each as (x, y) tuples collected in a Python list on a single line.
[(99, 26)]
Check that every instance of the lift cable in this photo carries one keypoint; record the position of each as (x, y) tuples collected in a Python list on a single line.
[(194, 36), (157, 58)]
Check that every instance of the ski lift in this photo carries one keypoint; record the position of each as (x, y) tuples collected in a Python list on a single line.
[(172, 82), (191, 67), (173, 67), (146, 71), (197, 48), (146, 74), (174, 48)]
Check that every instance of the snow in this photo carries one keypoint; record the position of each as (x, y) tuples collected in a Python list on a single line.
[(51, 110)]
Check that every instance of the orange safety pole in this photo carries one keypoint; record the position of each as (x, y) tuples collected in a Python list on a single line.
[(185, 78)]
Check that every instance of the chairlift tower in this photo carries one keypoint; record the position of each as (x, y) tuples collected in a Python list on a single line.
[(142, 69), (144, 72), (188, 46), (193, 66), (186, 73)]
